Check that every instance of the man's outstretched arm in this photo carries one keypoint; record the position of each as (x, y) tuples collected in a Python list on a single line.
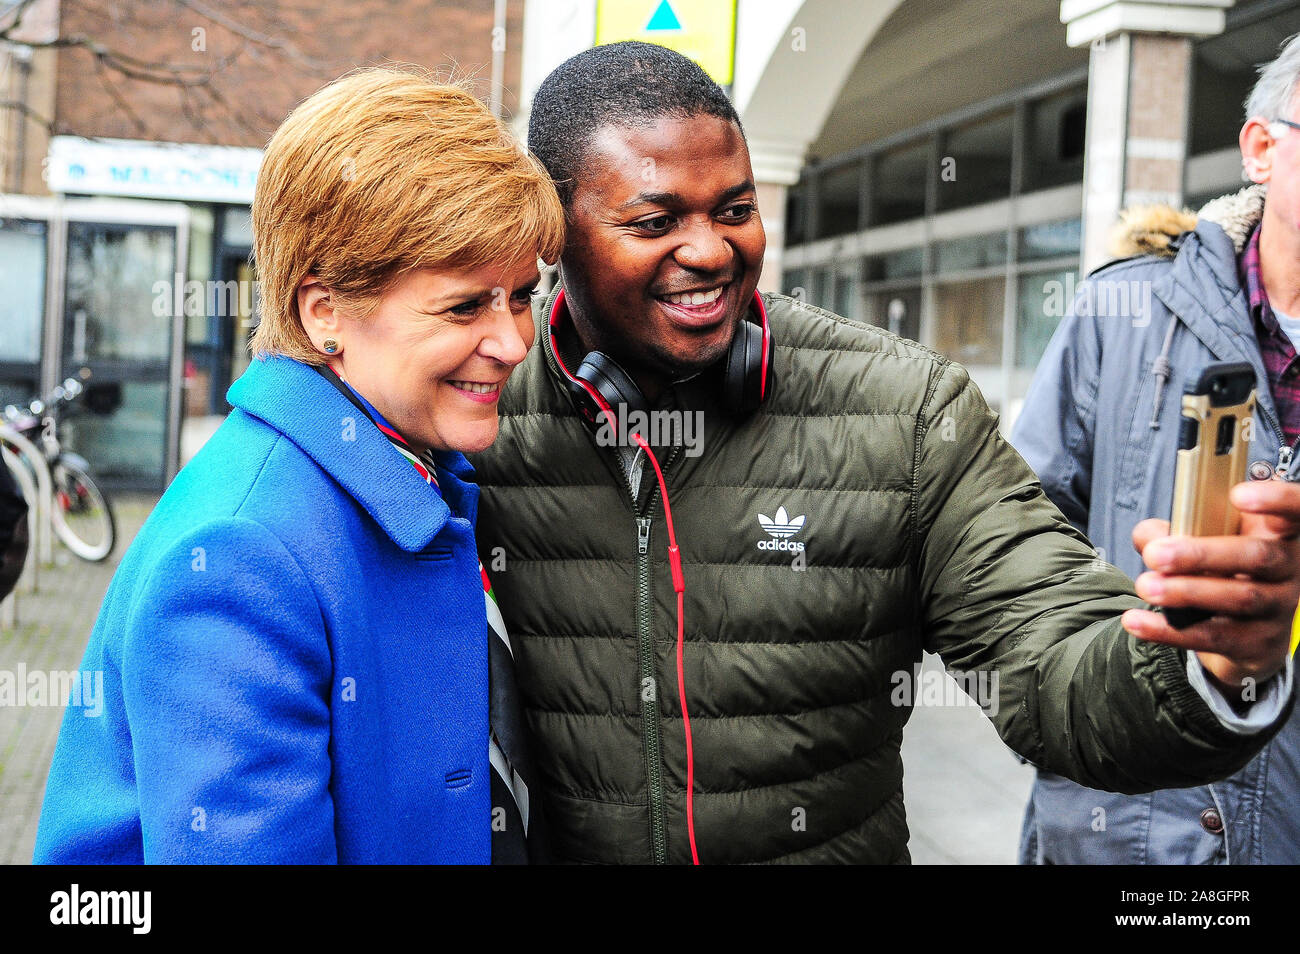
[(1009, 587)]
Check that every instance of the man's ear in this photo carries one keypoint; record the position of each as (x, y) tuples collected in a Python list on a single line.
[(1257, 150), (316, 312)]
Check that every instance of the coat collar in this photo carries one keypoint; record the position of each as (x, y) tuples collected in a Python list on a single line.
[(1203, 289), (297, 401)]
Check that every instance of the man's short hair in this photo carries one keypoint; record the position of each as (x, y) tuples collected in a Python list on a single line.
[(1274, 92), (626, 84)]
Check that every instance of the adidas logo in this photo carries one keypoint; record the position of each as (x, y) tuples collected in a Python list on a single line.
[(781, 528)]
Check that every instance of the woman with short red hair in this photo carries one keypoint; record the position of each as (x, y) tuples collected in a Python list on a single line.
[(296, 649)]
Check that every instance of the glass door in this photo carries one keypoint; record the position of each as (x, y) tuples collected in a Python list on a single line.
[(119, 305), (22, 308)]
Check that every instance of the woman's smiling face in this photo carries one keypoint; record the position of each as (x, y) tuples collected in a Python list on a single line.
[(436, 350)]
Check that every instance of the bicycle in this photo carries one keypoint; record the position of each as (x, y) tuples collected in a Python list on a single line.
[(80, 513)]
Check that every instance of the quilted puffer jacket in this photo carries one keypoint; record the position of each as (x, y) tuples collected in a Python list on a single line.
[(920, 528)]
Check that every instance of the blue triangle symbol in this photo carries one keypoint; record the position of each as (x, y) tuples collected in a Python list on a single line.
[(664, 18)]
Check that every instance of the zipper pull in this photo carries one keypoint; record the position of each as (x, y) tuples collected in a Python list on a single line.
[(1284, 455), (642, 534)]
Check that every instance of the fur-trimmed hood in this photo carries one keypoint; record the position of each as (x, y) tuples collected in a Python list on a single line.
[(1150, 229)]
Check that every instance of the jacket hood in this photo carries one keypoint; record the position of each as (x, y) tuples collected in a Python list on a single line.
[(1151, 229)]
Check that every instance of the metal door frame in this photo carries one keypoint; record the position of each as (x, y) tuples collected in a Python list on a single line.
[(57, 212)]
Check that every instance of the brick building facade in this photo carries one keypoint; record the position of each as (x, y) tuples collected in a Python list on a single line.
[(250, 62), (129, 145)]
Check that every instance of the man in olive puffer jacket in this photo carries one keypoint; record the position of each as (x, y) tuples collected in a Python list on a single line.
[(866, 509)]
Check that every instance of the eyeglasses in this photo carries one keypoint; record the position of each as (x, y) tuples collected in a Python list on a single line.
[(1287, 122)]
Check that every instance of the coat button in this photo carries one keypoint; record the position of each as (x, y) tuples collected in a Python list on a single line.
[(1261, 470), (1211, 821)]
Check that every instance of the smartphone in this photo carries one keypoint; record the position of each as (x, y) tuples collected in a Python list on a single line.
[(1212, 456)]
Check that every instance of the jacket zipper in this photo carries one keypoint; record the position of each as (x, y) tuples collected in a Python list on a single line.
[(649, 690), (646, 664), (1286, 458)]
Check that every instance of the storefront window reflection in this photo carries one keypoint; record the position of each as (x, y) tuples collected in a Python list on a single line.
[(1042, 301), (975, 163), (968, 320), (112, 298), (22, 290), (118, 319)]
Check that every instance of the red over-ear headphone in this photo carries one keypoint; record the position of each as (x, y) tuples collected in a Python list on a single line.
[(600, 386)]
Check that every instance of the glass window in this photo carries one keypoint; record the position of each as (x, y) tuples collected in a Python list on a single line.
[(18, 389), (1055, 138), (121, 293), (974, 251), (120, 307), (1051, 240), (820, 292), (796, 210), (968, 320), (795, 283), (905, 263), (237, 226), (898, 310), (1042, 302), (126, 447), (845, 301), (838, 191), (22, 289), (898, 188), (975, 162)]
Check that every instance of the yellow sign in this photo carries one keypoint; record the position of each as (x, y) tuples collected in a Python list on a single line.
[(704, 30)]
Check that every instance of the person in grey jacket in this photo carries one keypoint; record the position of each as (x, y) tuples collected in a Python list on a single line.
[(1100, 427), (13, 532)]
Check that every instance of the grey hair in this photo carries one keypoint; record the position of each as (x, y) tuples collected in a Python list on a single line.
[(1275, 90)]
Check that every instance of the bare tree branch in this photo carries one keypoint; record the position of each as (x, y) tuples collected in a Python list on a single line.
[(261, 39), (18, 11), (119, 98), (24, 110), (129, 46)]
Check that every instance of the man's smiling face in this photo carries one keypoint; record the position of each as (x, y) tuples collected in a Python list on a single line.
[(665, 245)]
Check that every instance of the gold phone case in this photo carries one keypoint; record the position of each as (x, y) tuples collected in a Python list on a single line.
[(1203, 475)]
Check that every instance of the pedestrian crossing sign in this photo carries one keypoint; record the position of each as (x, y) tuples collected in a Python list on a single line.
[(704, 30)]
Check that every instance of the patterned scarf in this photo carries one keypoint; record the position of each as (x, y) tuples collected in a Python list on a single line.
[(514, 841)]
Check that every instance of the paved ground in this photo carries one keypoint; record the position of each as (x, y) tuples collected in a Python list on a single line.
[(53, 626), (964, 790)]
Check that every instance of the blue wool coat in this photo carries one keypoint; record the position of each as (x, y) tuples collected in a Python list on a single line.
[(294, 656)]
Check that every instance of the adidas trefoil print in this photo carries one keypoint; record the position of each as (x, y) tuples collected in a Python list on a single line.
[(781, 528)]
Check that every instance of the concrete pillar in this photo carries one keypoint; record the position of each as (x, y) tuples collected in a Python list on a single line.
[(776, 167), (1139, 91)]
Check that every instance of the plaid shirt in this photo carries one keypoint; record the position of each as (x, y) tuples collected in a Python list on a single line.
[(1275, 347)]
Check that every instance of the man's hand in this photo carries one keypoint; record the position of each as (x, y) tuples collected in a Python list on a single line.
[(1251, 582)]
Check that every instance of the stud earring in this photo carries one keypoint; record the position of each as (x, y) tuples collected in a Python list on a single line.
[(330, 346)]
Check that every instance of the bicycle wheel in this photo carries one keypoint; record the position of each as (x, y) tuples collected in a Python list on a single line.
[(81, 516)]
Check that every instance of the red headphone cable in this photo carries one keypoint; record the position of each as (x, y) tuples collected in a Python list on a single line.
[(679, 585)]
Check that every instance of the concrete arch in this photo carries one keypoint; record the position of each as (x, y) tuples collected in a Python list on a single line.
[(784, 103)]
